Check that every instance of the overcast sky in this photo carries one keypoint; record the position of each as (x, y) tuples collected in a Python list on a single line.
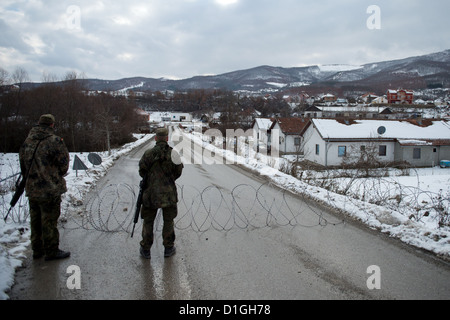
[(184, 38)]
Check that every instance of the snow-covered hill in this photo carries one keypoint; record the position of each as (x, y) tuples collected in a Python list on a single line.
[(412, 73)]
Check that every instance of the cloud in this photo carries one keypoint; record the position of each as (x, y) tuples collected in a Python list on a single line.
[(184, 38), (226, 2)]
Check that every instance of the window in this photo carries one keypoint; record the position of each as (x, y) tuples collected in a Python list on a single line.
[(382, 151), (362, 149), (317, 149), (342, 151), (297, 141), (417, 153)]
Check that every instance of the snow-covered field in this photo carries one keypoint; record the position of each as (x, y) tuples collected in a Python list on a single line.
[(416, 226)]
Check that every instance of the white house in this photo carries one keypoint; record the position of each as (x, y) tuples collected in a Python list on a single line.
[(289, 132), (170, 116), (420, 143), (380, 100), (358, 111), (181, 116), (261, 128)]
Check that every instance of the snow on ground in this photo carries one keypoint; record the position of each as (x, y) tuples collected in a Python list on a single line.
[(422, 186), (423, 232)]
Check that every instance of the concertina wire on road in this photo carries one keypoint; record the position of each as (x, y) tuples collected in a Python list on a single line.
[(111, 209)]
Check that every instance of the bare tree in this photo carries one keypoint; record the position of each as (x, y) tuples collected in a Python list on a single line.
[(18, 78), (72, 106), (48, 77), (364, 158), (4, 77)]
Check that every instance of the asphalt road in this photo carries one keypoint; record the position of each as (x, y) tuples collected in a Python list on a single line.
[(237, 238)]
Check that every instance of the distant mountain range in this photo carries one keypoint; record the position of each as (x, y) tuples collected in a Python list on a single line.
[(432, 70)]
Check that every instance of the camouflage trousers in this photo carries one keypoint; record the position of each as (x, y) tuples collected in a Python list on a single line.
[(168, 232), (44, 216)]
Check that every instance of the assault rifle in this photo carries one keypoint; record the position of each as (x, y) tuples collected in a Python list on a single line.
[(142, 187), (20, 188), (22, 181)]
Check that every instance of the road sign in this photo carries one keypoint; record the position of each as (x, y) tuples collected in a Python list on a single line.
[(78, 165), (95, 159)]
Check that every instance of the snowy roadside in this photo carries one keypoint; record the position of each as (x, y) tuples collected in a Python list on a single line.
[(15, 233), (425, 234)]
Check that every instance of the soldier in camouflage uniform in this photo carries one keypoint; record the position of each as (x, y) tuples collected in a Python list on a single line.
[(161, 173), (44, 186)]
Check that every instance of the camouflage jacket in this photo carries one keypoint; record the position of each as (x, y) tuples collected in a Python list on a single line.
[(50, 164), (161, 174)]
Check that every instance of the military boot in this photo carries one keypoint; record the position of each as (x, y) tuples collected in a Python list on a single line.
[(145, 253), (57, 255), (169, 251)]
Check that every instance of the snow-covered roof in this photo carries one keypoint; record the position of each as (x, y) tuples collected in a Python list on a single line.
[(358, 108), (368, 129), (264, 123), (397, 91)]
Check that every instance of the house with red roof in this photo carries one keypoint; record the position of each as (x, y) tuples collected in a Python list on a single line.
[(289, 133), (400, 96)]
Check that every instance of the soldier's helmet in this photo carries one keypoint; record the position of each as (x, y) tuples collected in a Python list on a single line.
[(162, 132), (46, 119)]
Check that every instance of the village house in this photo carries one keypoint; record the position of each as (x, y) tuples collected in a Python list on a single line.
[(261, 127), (170, 116), (368, 97), (212, 117), (299, 98), (341, 102), (328, 142), (358, 112), (289, 132), (380, 100), (400, 96), (328, 98), (373, 111)]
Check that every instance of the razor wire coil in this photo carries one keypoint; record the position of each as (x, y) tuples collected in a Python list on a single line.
[(111, 209)]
